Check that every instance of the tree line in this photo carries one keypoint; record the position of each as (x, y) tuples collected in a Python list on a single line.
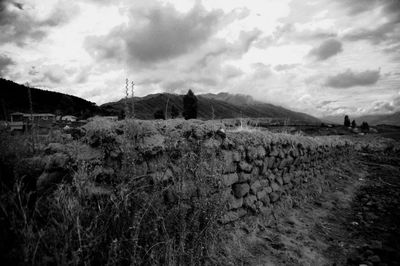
[(364, 125)]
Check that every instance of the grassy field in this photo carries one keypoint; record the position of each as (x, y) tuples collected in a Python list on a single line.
[(97, 212)]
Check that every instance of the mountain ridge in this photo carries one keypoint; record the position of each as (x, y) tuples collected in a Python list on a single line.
[(14, 97), (218, 106)]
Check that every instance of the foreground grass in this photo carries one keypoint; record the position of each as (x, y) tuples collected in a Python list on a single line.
[(130, 221)]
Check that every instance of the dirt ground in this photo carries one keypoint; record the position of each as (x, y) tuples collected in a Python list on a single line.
[(351, 218)]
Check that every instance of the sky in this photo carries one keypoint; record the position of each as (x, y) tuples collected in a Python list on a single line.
[(322, 57)]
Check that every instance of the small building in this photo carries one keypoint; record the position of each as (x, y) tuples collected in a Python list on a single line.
[(69, 118), (110, 118), (22, 121)]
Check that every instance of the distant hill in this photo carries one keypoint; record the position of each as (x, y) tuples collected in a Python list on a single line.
[(225, 105), (387, 119), (382, 119), (14, 98)]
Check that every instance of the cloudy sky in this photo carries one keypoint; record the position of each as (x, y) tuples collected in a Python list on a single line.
[(323, 57)]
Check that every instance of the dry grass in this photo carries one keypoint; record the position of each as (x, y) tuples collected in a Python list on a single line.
[(134, 221)]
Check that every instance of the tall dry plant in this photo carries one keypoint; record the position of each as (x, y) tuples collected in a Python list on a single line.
[(32, 133), (127, 113), (166, 109), (132, 99)]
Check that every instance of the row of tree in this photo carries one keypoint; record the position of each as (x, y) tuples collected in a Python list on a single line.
[(189, 108), (364, 125)]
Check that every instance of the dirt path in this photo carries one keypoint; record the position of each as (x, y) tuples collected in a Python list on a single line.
[(353, 218)]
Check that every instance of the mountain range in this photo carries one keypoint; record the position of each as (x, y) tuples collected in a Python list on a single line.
[(371, 119), (14, 98), (218, 106)]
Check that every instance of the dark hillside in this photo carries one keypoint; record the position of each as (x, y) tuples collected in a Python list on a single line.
[(14, 98)]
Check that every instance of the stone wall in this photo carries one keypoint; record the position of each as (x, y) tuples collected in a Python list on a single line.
[(257, 172), (249, 170)]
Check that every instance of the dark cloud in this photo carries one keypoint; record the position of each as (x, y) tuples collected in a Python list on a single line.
[(327, 102), (326, 49), (284, 67), (356, 7), (223, 49), (19, 5), (157, 34), (5, 63), (169, 34), (349, 79), (324, 103), (388, 32), (18, 26), (289, 33), (389, 8)]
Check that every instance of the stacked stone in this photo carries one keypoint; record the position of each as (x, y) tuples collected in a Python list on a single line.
[(255, 177)]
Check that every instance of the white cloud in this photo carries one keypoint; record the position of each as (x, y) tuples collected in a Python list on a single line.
[(261, 48)]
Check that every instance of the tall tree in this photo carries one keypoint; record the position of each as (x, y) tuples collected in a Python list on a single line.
[(346, 121), (353, 124), (190, 105)]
